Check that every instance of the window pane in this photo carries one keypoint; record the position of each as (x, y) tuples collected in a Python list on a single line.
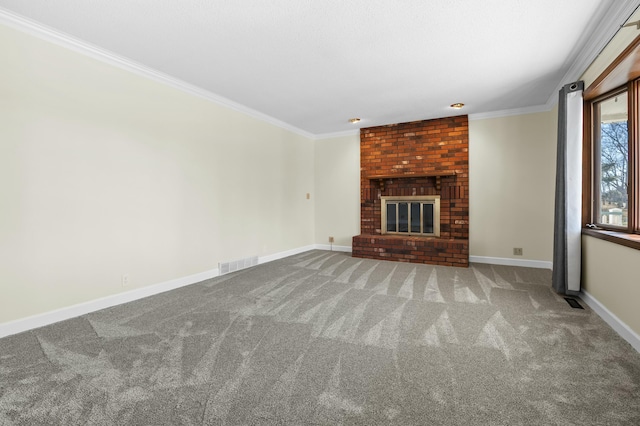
[(391, 217), (403, 217), (614, 161), (415, 217), (427, 223)]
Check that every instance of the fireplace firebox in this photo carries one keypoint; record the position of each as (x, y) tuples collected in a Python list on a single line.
[(411, 215)]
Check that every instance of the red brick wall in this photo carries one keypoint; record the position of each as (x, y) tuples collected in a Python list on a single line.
[(403, 150)]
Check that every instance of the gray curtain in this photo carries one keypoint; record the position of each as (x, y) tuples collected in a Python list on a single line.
[(567, 240)]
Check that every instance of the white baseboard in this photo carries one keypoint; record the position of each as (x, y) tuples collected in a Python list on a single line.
[(283, 254), (610, 318), (540, 264), (346, 249), (40, 320), (614, 322), (47, 318)]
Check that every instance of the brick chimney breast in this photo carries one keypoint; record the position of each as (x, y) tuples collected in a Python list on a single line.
[(429, 157)]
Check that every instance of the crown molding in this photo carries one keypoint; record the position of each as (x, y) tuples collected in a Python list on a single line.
[(510, 112), (67, 41), (334, 135), (608, 20)]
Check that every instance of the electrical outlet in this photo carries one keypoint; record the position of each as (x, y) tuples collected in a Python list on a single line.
[(308, 196), (330, 239), (517, 251), (125, 280)]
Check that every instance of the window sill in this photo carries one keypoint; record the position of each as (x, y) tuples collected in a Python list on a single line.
[(616, 237)]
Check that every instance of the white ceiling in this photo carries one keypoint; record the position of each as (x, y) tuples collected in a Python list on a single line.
[(312, 65)]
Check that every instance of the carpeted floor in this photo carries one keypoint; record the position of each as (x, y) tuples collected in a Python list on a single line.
[(326, 339)]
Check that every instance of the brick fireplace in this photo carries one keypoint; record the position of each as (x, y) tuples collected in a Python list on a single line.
[(413, 160)]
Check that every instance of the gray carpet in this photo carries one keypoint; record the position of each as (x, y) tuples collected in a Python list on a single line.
[(326, 339)]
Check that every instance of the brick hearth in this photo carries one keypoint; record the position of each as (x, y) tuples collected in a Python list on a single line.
[(428, 157)]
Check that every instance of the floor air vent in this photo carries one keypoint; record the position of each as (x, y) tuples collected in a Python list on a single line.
[(573, 303), (236, 265)]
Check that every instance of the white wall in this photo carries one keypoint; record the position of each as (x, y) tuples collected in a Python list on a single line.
[(104, 173), (511, 186), (337, 184)]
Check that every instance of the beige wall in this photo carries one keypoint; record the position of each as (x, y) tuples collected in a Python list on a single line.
[(511, 185), (337, 184), (104, 173), (609, 271), (610, 275)]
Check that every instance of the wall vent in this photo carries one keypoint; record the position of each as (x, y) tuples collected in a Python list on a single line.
[(236, 265)]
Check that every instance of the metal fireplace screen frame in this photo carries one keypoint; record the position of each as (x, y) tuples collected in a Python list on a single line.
[(411, 215)]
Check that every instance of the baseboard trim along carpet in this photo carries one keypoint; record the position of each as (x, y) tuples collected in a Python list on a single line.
[(540, 264), (344, 249), (325, 338), (47, 318), (51, 317), (610, 318), (283, 254)]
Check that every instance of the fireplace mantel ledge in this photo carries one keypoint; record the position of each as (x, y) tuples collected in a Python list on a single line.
[(413, 175), (436, 174)]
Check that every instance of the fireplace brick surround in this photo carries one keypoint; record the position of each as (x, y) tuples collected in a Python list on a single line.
[(429, 157)]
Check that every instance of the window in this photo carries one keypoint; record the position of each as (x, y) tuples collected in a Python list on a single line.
[(612, 189), (414, 215), (611, 161)]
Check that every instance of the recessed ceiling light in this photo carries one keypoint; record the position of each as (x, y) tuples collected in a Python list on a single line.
[(457, 105), (354, 120)]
